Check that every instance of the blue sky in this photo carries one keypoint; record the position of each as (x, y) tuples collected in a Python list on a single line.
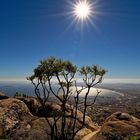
[(31, 30)]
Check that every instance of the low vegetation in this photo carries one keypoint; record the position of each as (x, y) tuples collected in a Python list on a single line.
[(17, 94), (115, 136), (136, 136)]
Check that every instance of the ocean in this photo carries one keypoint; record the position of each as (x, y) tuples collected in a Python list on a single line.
[(10, 88)]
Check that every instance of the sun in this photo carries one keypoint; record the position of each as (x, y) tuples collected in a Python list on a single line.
[(81, 13), (82, 10)]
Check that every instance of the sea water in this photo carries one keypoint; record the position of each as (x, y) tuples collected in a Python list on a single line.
[(10, 89)]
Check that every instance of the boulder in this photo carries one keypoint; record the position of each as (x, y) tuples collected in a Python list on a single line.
[(83, 133), (119, 126), (36, 109), (122, 123), (41, 124), (33, 105), (91, 136), (13, 114), (88, 121), (18, 123), (32, 134)]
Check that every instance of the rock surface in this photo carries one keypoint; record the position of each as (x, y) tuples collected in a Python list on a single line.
[(13, 114), (35, 108), (17, 122), (121, 123), (32, 104), (118, 125)]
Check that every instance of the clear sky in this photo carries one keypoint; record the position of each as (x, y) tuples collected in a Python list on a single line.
[(31, 30)]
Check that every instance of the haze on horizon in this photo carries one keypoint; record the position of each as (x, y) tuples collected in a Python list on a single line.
[(105, 80), (34, 30)]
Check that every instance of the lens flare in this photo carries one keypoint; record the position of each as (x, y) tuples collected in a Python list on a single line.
[(82, 9)]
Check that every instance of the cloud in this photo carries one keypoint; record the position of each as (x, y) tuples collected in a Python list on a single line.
[(106, 80), (122, 80), (13, 80)]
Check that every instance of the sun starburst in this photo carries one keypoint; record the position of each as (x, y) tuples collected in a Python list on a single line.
[(81, 13), (82, 9)]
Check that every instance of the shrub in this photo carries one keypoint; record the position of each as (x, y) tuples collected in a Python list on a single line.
[(111, 136), (64, 74)]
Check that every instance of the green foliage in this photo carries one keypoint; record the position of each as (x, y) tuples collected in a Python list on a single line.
[(52, 67), (111, 136), (56, 113), (24, 95), (134, 137), (92, 71), (115, 136), (17, 94), (2, 134)]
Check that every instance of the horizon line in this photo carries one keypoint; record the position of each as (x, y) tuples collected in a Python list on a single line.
[(105, 80)]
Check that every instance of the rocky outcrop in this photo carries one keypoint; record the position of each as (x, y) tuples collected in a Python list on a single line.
[(88, 122), (41, 124), (33, 105), (32, 134), (36, 109), (13, 115), (119, 126), (91, 136), (17, 122), (121, 123)]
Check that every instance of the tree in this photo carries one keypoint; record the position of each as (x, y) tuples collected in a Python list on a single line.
[(64, 74)]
